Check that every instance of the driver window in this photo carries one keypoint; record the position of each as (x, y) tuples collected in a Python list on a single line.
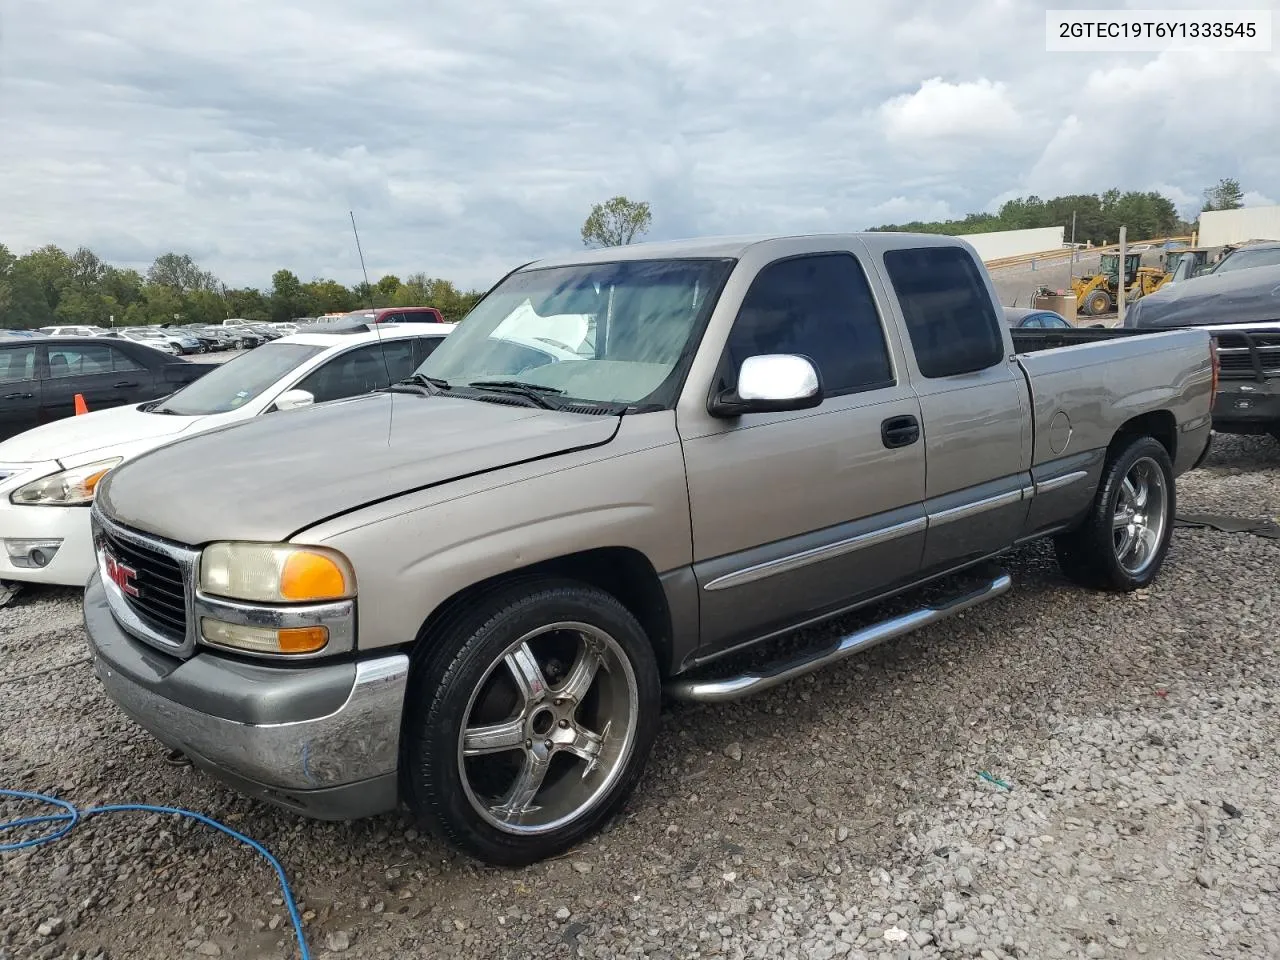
[(820, 307)]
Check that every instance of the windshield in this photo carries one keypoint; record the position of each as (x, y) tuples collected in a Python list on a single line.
[(606, 333), (234, 383), (1244, 259)]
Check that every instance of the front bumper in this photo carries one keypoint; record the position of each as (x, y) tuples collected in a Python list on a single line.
[(1247, 406), (73, 558), (319, 739)]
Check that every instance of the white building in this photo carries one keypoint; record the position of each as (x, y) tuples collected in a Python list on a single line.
[(1218, 227), (1015, 243)]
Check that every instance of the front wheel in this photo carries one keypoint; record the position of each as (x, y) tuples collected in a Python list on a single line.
[(1123, 542), (530, 721), (1097, 303)]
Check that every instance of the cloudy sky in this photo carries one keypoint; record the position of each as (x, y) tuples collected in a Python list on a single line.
[(471, 136)]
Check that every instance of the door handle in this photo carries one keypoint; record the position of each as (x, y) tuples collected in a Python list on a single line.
[(900, 431), (126, 383), (17, 396)]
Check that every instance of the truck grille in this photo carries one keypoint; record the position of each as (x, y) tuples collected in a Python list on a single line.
[(150, 584), (161, 592), (1249, 355)]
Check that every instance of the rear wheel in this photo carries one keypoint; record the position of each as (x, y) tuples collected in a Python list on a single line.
[(530, 722), (1124, 540)]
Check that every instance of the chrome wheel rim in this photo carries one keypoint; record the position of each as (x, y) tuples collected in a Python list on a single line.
[(549, 728), (1140, 516)]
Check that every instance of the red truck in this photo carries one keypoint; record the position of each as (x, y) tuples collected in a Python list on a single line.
[(397, 315)]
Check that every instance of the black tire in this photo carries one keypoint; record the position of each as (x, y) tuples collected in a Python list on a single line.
[(1088, 554), (464, 663), (1097, 303)]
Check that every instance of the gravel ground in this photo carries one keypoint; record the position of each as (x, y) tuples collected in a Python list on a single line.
[(1136, 813)]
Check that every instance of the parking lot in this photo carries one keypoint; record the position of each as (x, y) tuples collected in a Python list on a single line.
[(1133, 807)]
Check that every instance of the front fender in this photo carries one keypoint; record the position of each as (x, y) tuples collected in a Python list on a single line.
[(412, 554)]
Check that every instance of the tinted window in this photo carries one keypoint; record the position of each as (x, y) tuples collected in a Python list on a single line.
[(78, 361), (423, 348), (420, 316), (120, 363), (820, 307), (17, 364), (949, 315), (360, 371)]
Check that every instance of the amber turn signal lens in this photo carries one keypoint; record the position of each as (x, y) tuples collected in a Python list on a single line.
[(302, 639), (311, 576)]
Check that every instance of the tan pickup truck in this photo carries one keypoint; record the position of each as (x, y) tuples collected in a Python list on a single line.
[(469, 592)]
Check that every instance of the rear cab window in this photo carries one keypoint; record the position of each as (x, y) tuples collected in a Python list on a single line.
[(949, 315)]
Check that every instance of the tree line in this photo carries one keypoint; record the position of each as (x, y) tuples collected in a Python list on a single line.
[(49, 286), (1098, 216)]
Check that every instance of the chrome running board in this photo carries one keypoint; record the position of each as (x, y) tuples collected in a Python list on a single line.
[(719, 690)]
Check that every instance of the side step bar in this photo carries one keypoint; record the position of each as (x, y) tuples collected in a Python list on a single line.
[(733, 688)]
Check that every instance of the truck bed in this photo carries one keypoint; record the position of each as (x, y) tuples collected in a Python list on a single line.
[(1087, 382), (1030, 340)]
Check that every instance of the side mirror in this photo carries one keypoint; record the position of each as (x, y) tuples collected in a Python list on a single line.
[(293, 399), (770, 383)]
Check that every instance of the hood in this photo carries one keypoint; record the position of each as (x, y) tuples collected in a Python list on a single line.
[(72, 440), (272, 476), (1238, 296)]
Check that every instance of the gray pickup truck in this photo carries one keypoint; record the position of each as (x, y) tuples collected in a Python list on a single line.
[(469, 592)]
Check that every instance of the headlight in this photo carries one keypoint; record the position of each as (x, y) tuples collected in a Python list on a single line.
[(69, 488), (275, 573)]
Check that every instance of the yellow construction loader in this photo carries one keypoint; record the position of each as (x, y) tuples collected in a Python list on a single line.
[(1186, 262), (1096, 294)]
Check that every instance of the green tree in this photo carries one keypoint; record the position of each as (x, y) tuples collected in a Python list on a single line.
[(179, 272), (287, 300), (204, 306), (1224, 195), (616, 222), (248, 304), (162, 304), (384, 291), (124, 285), (87, 271), (27, 303), (326, 296)]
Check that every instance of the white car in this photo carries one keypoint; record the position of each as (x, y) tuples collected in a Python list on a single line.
[(74, 331), (149, 337), (48, 474)]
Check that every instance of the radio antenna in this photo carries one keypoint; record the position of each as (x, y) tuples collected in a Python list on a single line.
[(386, 366), (367, 287)]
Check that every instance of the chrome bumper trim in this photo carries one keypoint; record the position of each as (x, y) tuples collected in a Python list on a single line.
[(358, 741), (339, 617)]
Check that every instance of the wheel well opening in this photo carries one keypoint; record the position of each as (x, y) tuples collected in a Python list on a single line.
[(624, 573), (1158, 424)]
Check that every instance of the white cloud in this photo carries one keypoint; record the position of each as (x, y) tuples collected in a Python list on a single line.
[(905, 210), (472, 136), (1252, 198), (939, 110)]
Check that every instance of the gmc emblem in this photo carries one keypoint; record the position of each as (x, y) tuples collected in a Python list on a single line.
[(121, 574)]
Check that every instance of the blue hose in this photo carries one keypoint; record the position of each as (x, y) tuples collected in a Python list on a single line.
[(70, 816)]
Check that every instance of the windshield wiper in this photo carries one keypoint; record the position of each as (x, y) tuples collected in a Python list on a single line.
[(433, 385), (534, 392)]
